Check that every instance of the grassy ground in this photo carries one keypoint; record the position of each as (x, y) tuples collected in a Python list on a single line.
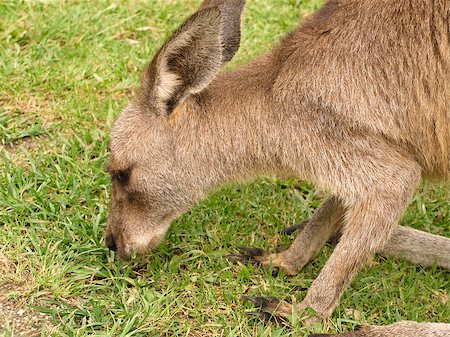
[(67, 69)]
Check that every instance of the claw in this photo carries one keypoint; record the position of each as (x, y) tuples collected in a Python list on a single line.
[(265, 305), (275, 271), (262, 301), (290, 230), (250, 255), (251, 251), (265, 316), (239, 257), (257, 301)]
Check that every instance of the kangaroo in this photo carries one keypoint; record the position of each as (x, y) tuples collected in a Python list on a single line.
[(355, 100)]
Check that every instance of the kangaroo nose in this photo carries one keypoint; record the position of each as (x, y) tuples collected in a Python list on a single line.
[(110, 243)]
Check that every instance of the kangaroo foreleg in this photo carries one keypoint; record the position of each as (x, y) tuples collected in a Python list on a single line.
[(324, 223)]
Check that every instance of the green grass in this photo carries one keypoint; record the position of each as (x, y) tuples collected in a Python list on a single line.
[(67, 69)]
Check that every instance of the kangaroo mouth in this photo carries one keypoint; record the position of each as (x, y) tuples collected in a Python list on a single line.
[(141, 244)]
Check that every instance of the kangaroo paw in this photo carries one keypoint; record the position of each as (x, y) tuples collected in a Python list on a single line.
[(270, 308), (272, 261), (333, 240), (257, 257), (266, 317)]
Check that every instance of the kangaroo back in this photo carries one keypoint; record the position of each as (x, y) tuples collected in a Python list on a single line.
[(380, 66)]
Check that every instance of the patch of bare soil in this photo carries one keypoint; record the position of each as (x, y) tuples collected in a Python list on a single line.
[(32, 105), (29, 143), (34, 111), (17, 318)]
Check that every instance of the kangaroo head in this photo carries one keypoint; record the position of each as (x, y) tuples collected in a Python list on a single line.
[(150, 186)]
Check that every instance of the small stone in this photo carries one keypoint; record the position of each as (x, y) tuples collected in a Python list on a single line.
[(20, 312), (356, 314)]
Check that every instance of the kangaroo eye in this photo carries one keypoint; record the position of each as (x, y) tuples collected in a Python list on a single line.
[(122, 176)]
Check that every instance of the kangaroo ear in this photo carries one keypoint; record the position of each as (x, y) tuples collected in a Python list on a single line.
[(193, 55)]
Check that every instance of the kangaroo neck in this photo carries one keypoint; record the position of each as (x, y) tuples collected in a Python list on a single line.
[(227, 132)]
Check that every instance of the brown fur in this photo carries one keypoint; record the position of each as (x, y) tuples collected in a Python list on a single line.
[(400, 329), (355, 100)]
